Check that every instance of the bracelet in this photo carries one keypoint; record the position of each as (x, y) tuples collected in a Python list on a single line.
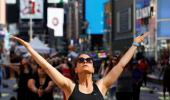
[(136, 44)]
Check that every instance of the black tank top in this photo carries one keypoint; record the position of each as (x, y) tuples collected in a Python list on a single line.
[(77, 95)]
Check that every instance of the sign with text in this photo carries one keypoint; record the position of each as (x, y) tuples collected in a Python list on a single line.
[(143, 14)]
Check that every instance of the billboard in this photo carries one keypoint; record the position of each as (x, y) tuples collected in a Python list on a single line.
[(33, 9), (55, 20), (163, 29), (94, 15), (163, 9), (163, 17), (143, 13)]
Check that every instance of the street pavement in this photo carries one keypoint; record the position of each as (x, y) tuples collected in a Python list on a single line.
[(150, 92)]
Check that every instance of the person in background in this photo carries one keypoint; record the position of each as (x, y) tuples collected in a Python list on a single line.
[(5, 57), (166, 80), (40, 86), (105, 68), (124, 89), (24, 74), (137, 80), (66, 70), (85, 88), (143, 66)]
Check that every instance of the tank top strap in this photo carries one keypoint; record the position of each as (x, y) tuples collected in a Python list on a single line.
[(76, 89), (95, 88)]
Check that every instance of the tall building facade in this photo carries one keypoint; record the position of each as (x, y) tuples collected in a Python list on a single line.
[(162, 28), (122, 24)]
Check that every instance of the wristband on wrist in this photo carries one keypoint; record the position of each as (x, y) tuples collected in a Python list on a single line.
[(136, 44)]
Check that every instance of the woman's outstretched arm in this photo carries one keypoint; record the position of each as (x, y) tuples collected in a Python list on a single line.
[(60, 80), (115, 72)]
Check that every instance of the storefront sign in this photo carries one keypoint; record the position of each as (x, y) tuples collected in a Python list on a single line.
[(143, 13)]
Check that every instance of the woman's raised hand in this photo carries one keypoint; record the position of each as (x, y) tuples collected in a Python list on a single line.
[(24, 43)]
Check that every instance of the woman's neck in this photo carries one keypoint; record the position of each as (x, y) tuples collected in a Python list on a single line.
[(85, 80)]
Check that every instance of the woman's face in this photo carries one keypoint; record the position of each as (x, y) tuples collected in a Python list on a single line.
[(114, 60), (84, 64), (24, 61), (41, 71)]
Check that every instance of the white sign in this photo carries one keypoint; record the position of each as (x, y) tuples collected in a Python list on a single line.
[(11, 1), (55, 20), (57, 1), (26, 7)]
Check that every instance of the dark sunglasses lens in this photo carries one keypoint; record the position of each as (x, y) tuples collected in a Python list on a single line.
[(82, 60), (89, 60)]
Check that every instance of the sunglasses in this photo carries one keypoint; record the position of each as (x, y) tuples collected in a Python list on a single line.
[(82, 60)]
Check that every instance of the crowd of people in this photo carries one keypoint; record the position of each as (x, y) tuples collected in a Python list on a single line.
[(119, 75), (32, 82)]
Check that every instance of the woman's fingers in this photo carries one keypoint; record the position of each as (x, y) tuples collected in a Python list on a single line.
[(145, 34), (139, 38)]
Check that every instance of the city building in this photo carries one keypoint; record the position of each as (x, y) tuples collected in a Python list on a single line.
[(122, 24)]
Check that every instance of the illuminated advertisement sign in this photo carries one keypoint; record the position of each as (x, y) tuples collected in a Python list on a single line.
[(163, 9), (31, 8), (143, 13), (163, 26), (163, 29), (94, 14)]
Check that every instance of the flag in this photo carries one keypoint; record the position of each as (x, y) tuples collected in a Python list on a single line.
[(55, 20)]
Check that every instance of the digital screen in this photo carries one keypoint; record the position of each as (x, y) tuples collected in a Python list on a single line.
[(163, 9), (163, 13), (163, 29), (142, 3), (142, 16), (102, 55), (94, 14)]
